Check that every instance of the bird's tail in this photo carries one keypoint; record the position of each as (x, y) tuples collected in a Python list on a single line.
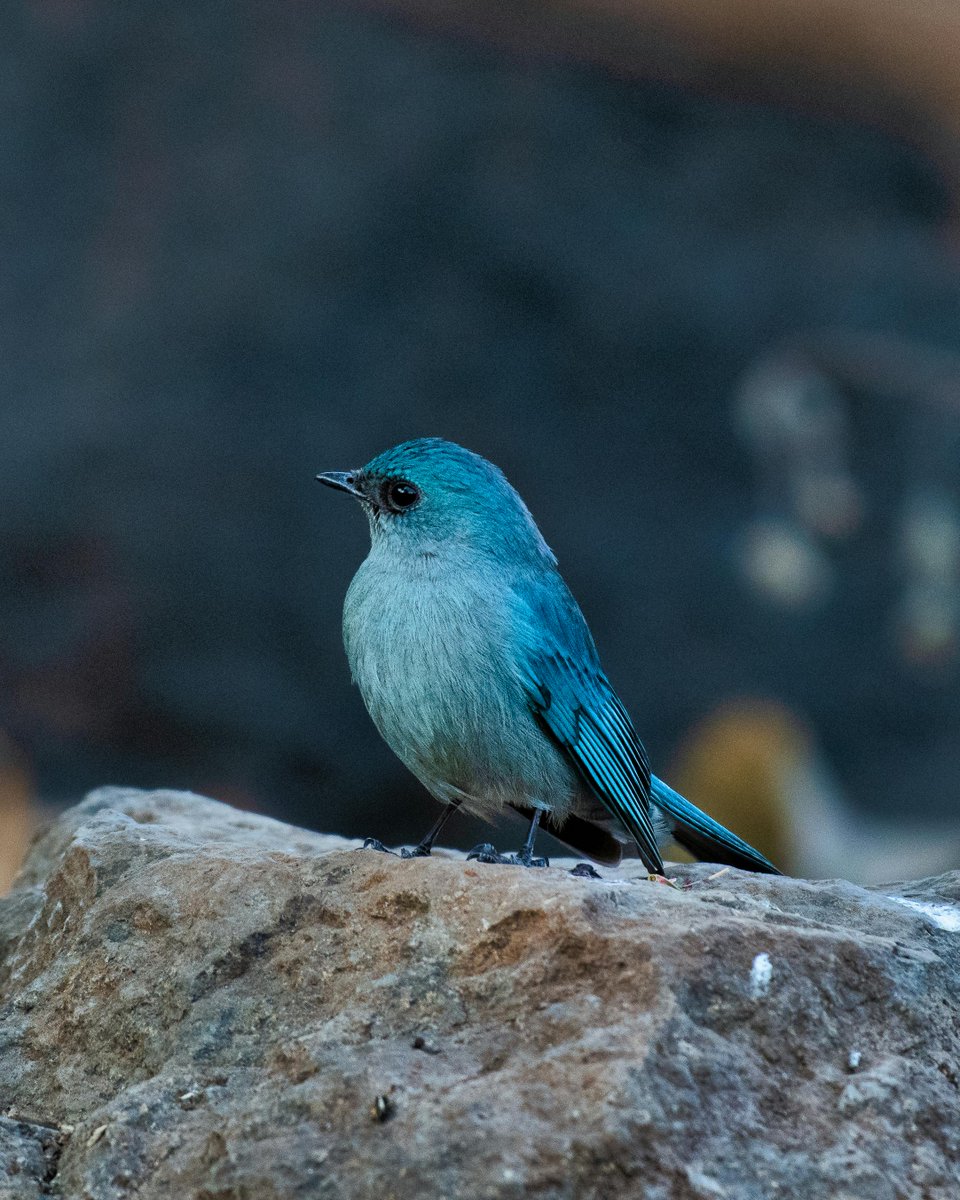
[(702, 836)]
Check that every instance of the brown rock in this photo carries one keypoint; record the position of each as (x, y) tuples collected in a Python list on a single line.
[(227, 1008)]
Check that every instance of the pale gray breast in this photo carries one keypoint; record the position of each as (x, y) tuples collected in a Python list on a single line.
[(429, 648)]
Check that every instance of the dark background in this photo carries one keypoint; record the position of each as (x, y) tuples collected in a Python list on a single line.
[(242, 243)]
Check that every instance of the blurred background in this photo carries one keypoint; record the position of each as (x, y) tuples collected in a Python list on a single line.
[(689, 272)]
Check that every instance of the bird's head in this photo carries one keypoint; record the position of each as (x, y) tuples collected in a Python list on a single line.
[(428, 495)]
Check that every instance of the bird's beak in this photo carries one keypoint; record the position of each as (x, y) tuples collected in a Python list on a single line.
[(343, 481)]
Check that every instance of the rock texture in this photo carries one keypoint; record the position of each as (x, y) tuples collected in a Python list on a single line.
[(204, 1005)]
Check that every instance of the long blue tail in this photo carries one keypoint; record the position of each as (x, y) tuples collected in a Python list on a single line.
[(703, 836)]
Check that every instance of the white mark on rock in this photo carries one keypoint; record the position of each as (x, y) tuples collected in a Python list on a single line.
[(944, 916), (96, 1135), (760, 975), (853, 1060), (705, 1184)]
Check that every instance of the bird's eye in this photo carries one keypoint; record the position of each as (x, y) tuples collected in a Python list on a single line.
[(398, 495)]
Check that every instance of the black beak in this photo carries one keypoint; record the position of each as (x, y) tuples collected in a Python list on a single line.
[(343, 481)]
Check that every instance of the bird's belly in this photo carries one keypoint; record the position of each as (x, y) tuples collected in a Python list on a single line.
[(440, 687)]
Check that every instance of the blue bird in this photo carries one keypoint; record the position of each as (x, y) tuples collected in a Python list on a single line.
[(478, 669)]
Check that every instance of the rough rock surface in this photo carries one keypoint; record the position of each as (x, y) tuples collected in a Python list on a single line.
[(204, 1005)]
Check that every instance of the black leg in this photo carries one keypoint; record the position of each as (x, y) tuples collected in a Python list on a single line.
[(525, 857), (426, 842)]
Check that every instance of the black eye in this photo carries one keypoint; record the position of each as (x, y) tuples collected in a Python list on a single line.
[(398, 494)]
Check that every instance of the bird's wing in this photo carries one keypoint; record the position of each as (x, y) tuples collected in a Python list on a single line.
[(571, 697)]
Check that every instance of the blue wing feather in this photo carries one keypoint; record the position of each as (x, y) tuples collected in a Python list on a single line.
[(572, 698)]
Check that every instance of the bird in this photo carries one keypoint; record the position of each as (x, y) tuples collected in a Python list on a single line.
[(478, 668)]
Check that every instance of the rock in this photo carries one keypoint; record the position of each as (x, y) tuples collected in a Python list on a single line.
[(28, 1158), (201, 1004)]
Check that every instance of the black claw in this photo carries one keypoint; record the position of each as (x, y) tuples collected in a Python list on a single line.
[(376, 844), (585, 871), (416, 852), (486, 853)]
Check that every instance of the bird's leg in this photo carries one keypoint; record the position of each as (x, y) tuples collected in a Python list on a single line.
[(422, 850), (525, 857), (426, 842), (487, 853)]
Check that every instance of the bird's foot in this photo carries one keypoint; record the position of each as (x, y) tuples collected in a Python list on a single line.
[(585, 871), (487, 853), (672, 883), (420, 851), (525, 859), (376, 844)]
